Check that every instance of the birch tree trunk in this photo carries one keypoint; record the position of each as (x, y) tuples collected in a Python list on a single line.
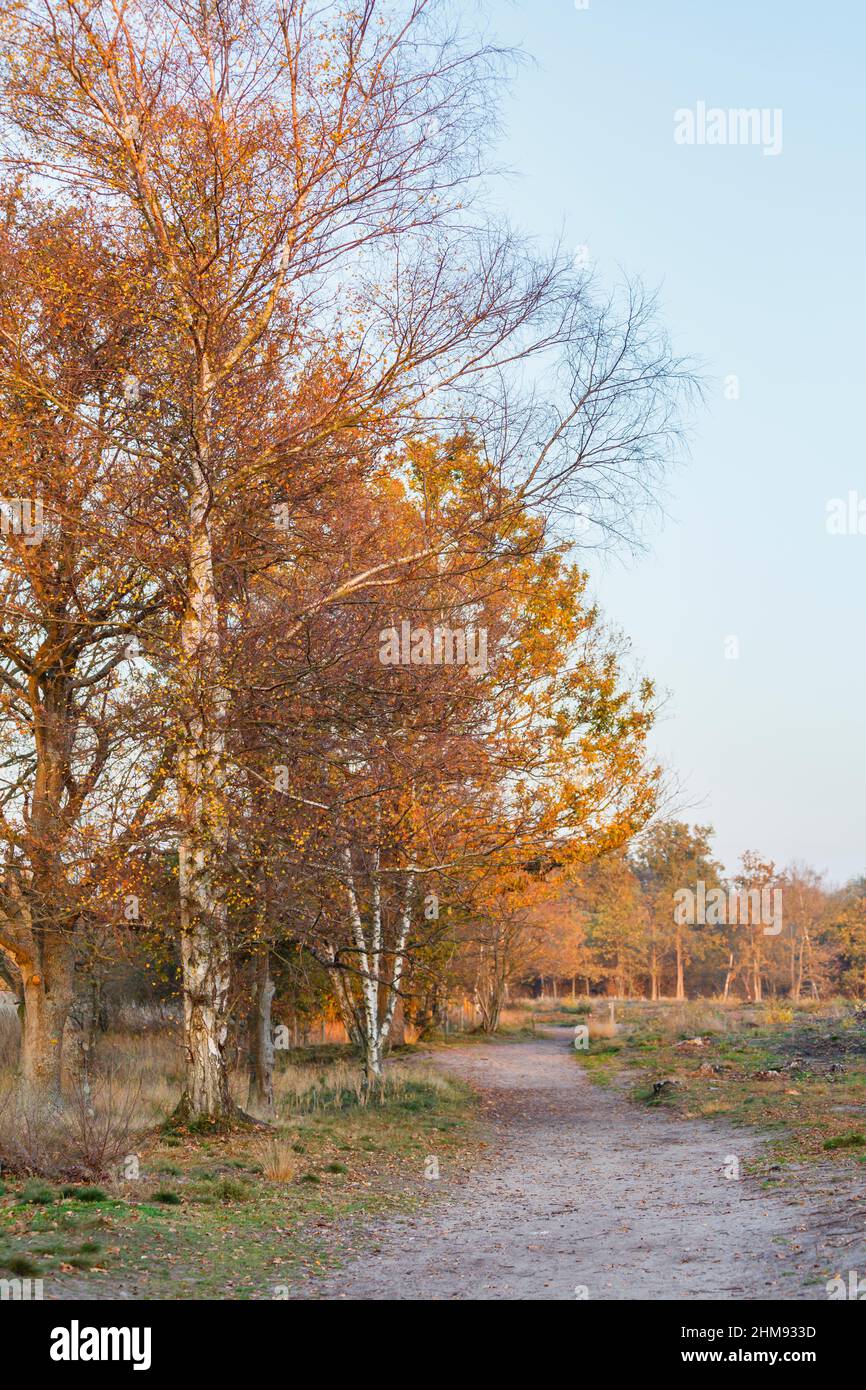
[(393, 988), (806, 950), (379, 993), (205, 955), (369, 985)]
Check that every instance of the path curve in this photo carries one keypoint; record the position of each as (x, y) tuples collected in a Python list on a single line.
[(582, 1194)]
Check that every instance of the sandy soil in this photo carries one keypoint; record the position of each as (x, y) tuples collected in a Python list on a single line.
[(582, 1194)]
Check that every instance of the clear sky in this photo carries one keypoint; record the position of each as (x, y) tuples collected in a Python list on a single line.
[(760, 260)]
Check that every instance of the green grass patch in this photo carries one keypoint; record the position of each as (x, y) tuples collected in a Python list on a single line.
[(37, 1194), (846, 1141)]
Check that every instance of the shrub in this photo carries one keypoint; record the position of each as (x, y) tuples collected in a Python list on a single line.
[(86, 1138), (779, 1013)]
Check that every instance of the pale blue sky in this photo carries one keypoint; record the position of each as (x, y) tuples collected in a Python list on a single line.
[(761, 266)]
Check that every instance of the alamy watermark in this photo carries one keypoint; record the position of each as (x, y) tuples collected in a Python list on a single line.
[(77, 1343), (855, 1288), (733, 125), (22, 516), (21, 1290), (438, 646), (846, 516), (736, 907)]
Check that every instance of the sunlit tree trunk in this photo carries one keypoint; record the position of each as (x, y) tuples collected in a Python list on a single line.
[(205, 955), (681, 983), (346, 1001), (654, 974), (34, 939), (757, 983), (47, 1001), (490, 986)]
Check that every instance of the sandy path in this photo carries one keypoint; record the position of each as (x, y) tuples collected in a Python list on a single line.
[(581, 1190)]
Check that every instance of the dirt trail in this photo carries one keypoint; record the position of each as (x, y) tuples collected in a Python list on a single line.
[(579, 1189)]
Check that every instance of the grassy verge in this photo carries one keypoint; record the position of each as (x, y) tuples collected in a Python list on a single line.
[(505, 1033), (242, 1216), (798, 1074), (520, 1022)]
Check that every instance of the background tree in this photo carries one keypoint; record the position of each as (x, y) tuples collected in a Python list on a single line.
[(618, 921), (843, 937), (750, 945), (804, 897), (669, 856)]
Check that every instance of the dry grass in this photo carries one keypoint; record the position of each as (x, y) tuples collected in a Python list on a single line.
[(796, 1072), (778, 1013), (603, 1028), (278, 1159), (517, 1018), (151, 1064), (97, 1128), (136, 1079), (144, 1070), (133, 1083), (310, 1086)]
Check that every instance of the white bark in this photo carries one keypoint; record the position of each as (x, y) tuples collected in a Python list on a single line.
[(399, 959), (205, 957), (369, 986), (379, 991)]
